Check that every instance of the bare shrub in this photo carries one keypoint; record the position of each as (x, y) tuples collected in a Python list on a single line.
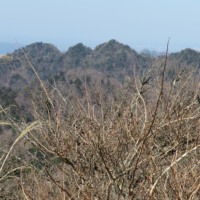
[(140, 141)]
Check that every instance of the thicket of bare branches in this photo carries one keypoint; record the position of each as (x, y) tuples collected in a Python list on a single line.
[(140, 141)]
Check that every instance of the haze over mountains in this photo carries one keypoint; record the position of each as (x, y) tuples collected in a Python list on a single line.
[(11, 47), (8, 47)]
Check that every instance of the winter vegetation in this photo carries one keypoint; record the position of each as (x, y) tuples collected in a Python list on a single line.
[(99, 124)]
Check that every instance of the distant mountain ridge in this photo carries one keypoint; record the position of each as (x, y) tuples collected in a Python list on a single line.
[(111, 58), (152, 53)]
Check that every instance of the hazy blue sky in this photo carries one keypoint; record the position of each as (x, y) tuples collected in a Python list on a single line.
[(138, 23)]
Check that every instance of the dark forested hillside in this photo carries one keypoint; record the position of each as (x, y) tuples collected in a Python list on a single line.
[(42, 56), (110, 61), (186, 56), (112, 58)]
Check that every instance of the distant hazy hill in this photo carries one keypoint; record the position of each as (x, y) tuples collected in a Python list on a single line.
[(153, 53), (8, 48)]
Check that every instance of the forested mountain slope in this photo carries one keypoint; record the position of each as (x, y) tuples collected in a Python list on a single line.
[(112, 58)]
